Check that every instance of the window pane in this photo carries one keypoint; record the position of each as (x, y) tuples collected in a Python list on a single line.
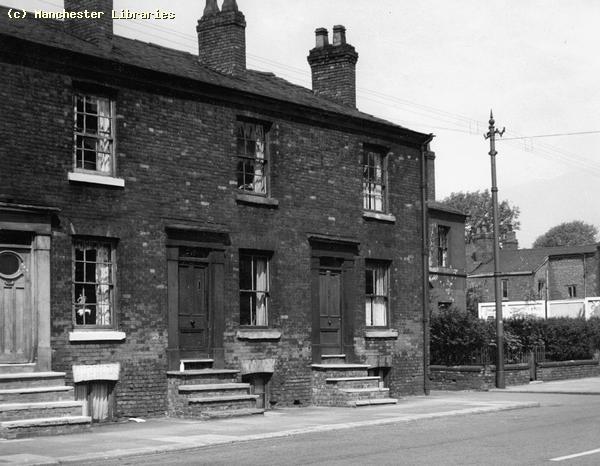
[(369, 281), (246, 311)]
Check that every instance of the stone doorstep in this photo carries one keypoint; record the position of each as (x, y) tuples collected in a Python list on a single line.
[(223, 399), (232, 413), (45, 422), (364, 390), (197, 372), (343, 367), (31, 375), (33, 390), (5, 407), (17, 368), (373, 401), (214, 386), (351, 379)]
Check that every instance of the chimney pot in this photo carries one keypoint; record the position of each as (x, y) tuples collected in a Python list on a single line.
[(339, 35), (322, 37), (211, 8), (230, 5)]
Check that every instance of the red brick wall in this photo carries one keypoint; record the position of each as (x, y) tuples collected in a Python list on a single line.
[(178, 161)]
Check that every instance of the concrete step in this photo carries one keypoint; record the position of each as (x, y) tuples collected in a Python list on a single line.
[(216, 389), (195, 364), (333, 358), (58, 393), (199, 407), (354, 382), (17, 368), (367, 393), (202, 376), (44, 426), (31, 379), (372, 402), (47, 409), (232, 413), (222, 399)]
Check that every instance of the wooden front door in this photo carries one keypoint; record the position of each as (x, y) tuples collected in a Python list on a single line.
[(330, 310), (194, 312), (16, 317)]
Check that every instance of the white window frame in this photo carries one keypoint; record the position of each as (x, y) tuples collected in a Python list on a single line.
[(81, 133), (260, 184), (371, 298), (256, 320), (372, 183), (442, 247), (80, 307)]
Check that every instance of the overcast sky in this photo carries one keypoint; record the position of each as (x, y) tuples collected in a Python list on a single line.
[(440, 66)]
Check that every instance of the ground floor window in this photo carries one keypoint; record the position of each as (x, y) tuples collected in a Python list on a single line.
[(259, 385), (98, 398)]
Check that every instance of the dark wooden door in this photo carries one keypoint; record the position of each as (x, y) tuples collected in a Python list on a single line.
[(194, 312), (16, 318), (330, 311)]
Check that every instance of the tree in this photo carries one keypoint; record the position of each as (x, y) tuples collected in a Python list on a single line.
[(478, 206), (575, 233)]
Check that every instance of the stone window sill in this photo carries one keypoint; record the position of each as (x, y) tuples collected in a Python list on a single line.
[(253, 199), (367, 214), (258, 334), (381, 333), (96, 335), (96, 179)]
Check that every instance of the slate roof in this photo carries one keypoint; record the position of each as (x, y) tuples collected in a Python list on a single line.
[(435, 205), (528, 260), (175, 62)]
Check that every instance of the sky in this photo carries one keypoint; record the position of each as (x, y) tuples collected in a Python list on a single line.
[(439, 66)]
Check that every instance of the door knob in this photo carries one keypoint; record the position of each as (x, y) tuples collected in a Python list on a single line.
[(193, 323), (329, 322)]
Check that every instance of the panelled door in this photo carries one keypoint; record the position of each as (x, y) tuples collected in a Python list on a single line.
[(194, 313), (330, 310), (16, 317)]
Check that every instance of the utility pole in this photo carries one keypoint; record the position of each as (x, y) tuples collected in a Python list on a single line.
[(491, 135)]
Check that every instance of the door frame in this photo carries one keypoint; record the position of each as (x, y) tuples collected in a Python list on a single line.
[(35, 223), (179, 238), (346, 251)]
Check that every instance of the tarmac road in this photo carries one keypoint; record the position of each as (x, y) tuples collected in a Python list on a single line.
[(564, 425)]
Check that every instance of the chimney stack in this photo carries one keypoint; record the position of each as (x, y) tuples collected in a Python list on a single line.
[(98, 31), (222, 37), (510, 239), (333, 67)]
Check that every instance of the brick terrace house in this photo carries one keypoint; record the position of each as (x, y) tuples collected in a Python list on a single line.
[(447, 256), (170, 222), (557, 273)]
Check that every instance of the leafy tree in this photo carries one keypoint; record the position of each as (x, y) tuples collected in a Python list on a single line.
[(575, 233), (478, 206)]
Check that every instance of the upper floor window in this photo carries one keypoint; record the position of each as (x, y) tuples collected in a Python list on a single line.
[(504, 289), (254, 289), (94, 135), (374, 189), (442, 245), (572, 291), (252, 154), (376, 294), (541, 288), (93, 283)]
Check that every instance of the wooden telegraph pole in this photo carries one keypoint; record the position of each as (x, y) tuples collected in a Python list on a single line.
[(491, 135)]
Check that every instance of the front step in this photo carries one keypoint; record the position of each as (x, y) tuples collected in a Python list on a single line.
[(38, 403), (31, 379), (44, 426), (347, 385), (16, 395), (19, 368), (208, 394)]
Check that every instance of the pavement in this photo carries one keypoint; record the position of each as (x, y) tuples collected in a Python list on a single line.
[(142, 437)]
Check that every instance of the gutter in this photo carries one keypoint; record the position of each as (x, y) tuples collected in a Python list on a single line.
[(425, 253)]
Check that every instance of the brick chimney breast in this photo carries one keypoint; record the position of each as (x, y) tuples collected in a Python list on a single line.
[(222, 37), (98, 31), (333, 67)]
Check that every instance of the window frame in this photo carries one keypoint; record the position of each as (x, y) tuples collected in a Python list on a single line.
[(443, 251), (111, 243), (374, 265), (572, 291), (253, 256), (504, 289), (266, 127), (112, 138), (368, 198)]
